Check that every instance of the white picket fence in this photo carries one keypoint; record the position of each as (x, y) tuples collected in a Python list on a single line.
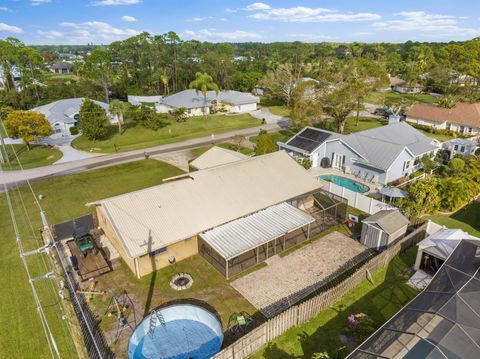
[(355, 199)]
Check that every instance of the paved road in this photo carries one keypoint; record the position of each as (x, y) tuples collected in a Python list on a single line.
[(10, 177)]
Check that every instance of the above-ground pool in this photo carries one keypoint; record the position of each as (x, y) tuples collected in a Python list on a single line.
[(346, 182), (179, 332)]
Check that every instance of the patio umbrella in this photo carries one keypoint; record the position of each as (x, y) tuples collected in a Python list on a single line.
[(393, 192)]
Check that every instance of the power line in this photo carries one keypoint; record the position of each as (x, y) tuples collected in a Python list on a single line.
[(51, 242)]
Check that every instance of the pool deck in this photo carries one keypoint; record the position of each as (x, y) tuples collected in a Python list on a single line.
[(320, 171)]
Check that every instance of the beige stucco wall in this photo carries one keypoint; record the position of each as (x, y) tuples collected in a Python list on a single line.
[(443, 126), (107, 228), (144, 265), (179, 250)]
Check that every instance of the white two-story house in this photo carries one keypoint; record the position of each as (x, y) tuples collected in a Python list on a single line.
[(382, 155)]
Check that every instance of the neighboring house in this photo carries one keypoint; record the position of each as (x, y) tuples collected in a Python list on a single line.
[(15, 75), (198, 105), (147, 100), (383, 228), (69, 56), (63, 114), (383, 154), (402, 86), (459, 146), (230, 214), (442, 321), (434, 250), (62, 67), (216, 156), (463, 117)]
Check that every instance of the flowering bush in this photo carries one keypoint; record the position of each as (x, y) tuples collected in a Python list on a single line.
[(360, 325)]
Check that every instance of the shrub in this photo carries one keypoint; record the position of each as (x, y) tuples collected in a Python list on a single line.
[(305, 162), (360, 325), (74, 130)]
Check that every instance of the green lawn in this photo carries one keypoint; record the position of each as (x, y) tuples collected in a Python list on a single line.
[(364, 123), (201, 150), (380, 98), (36, 157), (278, 136), (380, 301), (438, 136), (136, 136), (467, 219), (65, 198), (280, 110)]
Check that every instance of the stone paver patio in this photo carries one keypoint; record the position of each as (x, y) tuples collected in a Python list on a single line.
[(286, 280)]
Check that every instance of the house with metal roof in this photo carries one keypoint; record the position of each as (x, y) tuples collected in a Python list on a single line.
[(383, 228), (234, 215), (216, 156), (226, 101), (463, 117), (63, 114), (380, 155)]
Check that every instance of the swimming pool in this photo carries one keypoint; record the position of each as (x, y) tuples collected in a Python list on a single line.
[(178, 332), (346, 182)]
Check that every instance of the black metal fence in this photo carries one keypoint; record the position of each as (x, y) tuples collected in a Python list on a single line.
[(93, 338)]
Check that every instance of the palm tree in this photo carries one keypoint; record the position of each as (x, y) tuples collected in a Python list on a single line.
[(165, 79), (118, 108), (202, 83)]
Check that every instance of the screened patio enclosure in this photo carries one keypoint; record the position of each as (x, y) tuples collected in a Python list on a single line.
[(443, 321), (238, 245)]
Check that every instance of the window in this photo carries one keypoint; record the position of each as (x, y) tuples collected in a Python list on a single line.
[(406, 165), (470, 130), (157, 252), (449, 126), (455, 147), (462, 149)]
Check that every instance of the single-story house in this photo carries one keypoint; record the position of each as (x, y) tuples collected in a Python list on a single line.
[(459, 146), (463, 117), (383, 228), (216, 156), (197, 105), (227, 213), (62, 67), (402, 86), (382, 155), (434, 250), (147, 100), (63, 114)]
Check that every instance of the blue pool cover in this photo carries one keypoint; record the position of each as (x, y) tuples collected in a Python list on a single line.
[(189, 332)]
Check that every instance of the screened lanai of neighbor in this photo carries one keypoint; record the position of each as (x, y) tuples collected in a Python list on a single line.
[(443, 321)]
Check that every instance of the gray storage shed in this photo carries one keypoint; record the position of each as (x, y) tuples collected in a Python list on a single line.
[(382, 228)]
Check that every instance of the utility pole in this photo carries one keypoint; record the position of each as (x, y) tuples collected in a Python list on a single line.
[(3, 151)]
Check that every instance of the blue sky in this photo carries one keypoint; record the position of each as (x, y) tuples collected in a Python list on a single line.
[(104, 21)]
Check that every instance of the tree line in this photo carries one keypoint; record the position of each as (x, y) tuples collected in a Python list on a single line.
[(148, 64)]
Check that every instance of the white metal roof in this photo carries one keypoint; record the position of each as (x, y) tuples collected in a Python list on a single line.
[(216, 156), (205, 199), (444, 241), (241, 235)]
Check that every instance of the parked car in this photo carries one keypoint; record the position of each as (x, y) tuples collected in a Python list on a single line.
[(384, 112)]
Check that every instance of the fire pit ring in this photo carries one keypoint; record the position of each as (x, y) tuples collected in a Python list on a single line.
[(181, 281)]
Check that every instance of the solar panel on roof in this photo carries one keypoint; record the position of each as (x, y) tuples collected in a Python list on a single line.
[(315, 135), (309, 139)]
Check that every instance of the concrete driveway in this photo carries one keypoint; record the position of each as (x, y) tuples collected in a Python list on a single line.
[(63, 144), (270, 118)]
